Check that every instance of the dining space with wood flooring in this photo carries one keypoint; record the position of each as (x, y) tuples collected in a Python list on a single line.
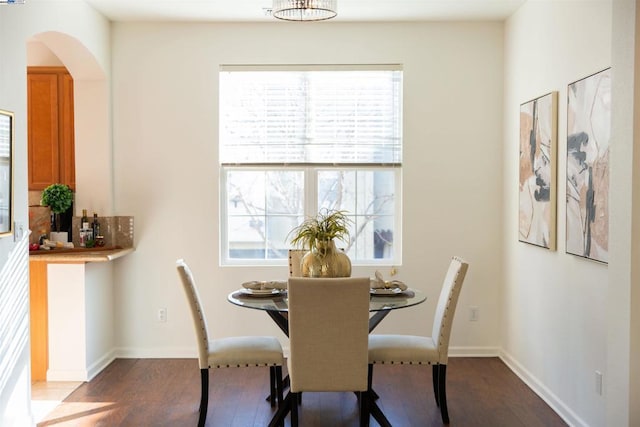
[(165, 392)]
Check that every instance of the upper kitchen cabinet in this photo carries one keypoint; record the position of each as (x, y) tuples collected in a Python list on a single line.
[(50, 127)]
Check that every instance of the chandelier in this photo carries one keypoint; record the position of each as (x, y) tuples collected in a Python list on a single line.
[(304, 10)]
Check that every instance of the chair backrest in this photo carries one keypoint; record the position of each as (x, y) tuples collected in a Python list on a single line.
[(295, 260), (328, 334), (197, 313), (445, 310)]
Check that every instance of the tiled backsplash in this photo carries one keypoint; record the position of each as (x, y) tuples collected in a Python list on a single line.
[(117, 230)]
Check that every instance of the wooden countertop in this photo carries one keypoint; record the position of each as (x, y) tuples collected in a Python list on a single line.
[(79, 254)]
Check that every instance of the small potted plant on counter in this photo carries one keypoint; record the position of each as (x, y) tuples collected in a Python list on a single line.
[(318, 234), (59, 198)]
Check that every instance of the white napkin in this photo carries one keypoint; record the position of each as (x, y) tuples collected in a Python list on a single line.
[(265, 285), (379, 283)]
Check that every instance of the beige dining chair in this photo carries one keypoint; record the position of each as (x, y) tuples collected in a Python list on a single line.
[(434, 350), (295, 261), (328, 329), (229, 352)]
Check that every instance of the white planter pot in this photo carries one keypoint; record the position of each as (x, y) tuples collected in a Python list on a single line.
[(59, 236)]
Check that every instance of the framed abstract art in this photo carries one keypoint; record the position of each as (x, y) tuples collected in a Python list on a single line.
[(537, 186), (588, 133)]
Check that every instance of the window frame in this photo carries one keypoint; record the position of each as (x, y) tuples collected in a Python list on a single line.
[(310, 172), (310, 208)]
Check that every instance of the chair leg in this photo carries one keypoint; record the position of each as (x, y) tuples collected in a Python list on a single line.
[(279, 384), (204, 396), (442, 393), (272, 386), (283, 410), (434, 376), (372, 392), (364, 399), (294, 410)]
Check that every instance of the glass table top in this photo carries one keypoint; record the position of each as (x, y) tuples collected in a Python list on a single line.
[(279, 302)]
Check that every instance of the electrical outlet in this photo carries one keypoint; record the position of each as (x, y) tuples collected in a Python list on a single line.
[(599, 383), (474, 314), (162, 314)]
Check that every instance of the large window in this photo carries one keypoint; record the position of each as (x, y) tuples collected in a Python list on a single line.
[(294, 140)]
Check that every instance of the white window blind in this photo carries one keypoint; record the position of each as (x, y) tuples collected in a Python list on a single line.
[(311, 116)]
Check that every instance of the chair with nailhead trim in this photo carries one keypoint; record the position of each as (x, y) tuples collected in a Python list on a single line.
[(328, 341), (434, 350), (229, 352), (295, 260)]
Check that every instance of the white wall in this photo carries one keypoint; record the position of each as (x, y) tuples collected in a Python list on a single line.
[(165, 95), (623, 302), (555, 324), (18, 23)]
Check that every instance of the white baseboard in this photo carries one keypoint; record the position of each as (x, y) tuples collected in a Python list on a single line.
[(474, 352), (545, 394), (100, 364), (157, 353), (67, 375), (190, 353)]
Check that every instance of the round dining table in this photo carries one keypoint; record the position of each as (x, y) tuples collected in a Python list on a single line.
[(381, 302), (276, 304)]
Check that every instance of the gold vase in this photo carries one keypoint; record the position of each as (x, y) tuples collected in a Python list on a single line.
[(326, 261)]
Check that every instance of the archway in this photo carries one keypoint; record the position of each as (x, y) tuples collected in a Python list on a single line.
[(94, 181), (92, 131)]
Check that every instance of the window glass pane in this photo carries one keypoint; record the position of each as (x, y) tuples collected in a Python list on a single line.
[(246, 238), (368, 198), (245, 192), (262, 207), (278, 231), (285, 192), (336, 190), (376, 192)]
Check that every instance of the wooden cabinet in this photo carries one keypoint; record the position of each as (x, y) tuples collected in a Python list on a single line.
[(50, 127), (39, 320)]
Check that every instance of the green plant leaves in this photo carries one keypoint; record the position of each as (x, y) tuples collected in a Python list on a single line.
[(58, 197)]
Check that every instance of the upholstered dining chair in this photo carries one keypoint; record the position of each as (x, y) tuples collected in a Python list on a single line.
[(229, 352), (328, 330), (434, 350), (295, 260)]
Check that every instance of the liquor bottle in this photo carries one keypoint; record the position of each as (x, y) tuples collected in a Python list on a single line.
[(84, 222), (95, 226), (85, 230)]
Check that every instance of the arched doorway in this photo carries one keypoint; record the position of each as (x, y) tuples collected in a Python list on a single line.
[(92, 132)]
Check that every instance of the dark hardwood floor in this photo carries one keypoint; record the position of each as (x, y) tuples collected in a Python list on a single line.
[(166, 392)]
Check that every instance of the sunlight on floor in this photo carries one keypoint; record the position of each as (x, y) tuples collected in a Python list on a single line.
[(45, 396)]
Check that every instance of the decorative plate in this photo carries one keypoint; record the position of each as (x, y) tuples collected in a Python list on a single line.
[(262, 292), (386, 291)]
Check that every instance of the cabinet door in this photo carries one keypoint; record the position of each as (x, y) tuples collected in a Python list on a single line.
[(43, 132), (67, 129), (51, 127)]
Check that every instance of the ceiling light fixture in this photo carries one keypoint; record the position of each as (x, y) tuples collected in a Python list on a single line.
[(304, 10)]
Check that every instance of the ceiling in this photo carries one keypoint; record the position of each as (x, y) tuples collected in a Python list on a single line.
[(348, 10)]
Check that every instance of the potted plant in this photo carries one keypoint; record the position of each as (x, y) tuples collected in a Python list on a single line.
[(318, 234), (59, 198)]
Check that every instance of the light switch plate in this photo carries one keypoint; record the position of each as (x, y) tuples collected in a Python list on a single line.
[(18, 230)]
